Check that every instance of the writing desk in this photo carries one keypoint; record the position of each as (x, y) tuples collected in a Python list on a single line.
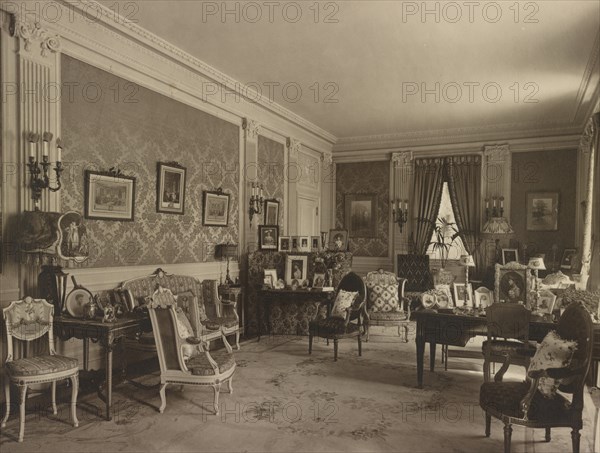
[(108, 335), (456, 330)]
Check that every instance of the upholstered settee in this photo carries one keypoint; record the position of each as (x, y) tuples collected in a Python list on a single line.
[(210, 317)]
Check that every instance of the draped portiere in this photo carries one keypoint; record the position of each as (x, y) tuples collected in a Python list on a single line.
[(463, 174), (427, 194)]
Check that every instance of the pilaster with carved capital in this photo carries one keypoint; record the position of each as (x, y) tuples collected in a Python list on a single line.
[(496, 152), (402, 159), (294, 147), (252, 129), (34, 37)]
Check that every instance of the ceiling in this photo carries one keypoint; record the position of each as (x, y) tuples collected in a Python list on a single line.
[(362, 67)]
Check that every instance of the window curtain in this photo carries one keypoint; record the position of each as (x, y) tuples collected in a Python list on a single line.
[(463, 174), (427, 194)]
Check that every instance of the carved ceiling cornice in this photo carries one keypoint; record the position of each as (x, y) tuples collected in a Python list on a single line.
[(496, 152)]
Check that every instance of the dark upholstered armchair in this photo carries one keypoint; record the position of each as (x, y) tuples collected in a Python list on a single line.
[(522, 403), (507, 333), (337, 328)]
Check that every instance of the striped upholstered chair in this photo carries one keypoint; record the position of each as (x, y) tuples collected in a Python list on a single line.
[(28, 320)]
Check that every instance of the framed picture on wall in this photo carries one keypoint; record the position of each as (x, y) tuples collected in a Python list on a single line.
[(284, 244), (268, 237), (271, 212), (542, 211), (170, 188), (315, 242), (109, 196), (361, 215), (215, 208), (304, 242), (569, 259)]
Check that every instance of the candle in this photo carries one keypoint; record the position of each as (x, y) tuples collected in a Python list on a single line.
[(502, 202), (32, 149), (494, 201), (45, 149), (393, 206), (487, 203), (405, 205), (58, 154)]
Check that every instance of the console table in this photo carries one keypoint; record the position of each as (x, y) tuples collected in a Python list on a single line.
[(267, 296), (108, 335)]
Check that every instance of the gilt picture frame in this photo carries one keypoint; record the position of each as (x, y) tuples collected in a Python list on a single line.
[(215, 208), (542, 211), (361, 215), (512, 283), (109, 196), (170, 188)]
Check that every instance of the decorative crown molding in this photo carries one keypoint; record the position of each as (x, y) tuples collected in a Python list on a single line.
[(31, 32), (588, 134), (402, 158), (294, 146), (251, 127), (496, 152)]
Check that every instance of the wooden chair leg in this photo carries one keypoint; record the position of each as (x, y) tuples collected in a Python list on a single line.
[(230, 385), (488, 424), (310, 340), (359, 346), (575, 438), (74, 391), (237, 340), (7, 400), (486, 371), (216, 391), (405, 333), (335, 350), (507, 436), (22, 398), (548, 434), (163, 398)]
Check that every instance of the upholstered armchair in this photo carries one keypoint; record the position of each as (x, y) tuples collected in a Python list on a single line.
[(507, 334), (184, 359), (224, 317), (386, 304), (27, 320), (338, 325), (527, 403)]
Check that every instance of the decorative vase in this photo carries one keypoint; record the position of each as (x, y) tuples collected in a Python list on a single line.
[(443, 277), (90, 309)]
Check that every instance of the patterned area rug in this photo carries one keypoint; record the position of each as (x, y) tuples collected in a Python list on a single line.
[(285, 400)]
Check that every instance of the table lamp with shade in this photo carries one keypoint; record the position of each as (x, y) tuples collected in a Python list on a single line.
[(227, 251), (536, 263), (497, 228)]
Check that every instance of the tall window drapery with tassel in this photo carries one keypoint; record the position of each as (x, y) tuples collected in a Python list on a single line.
[(463, 176)]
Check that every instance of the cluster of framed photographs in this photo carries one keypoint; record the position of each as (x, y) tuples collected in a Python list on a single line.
[(269, 239), (296, 275), (457, 295)]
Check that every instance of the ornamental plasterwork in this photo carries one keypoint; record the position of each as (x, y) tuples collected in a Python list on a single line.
[(496, 152), (326, 159), (294, 146), (402, 159), (31, 32), (588, 134), (252, 128)]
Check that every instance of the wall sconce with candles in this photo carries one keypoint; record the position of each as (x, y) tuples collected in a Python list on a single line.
[(400, 212), (497, 209), (256, 201), (39, 177)]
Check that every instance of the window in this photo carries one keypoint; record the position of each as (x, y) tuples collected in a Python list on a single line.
[(457, 248)]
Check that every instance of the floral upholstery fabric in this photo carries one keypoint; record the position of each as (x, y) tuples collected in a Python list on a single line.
[(188, 301), (289, 318), (343, 301), (553, 352), (200, 366), (388, 316), (382, 290), (44, 364)]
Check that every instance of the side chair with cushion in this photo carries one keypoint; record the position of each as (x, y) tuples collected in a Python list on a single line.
[(27, 320), (386, 304), (507, 334), (184, 359), (561, 362), (349, 306)]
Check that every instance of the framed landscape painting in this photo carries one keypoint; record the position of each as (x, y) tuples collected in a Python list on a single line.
[(109, 197), (215, 208), (542, 211), (170, 188), (361, 215)]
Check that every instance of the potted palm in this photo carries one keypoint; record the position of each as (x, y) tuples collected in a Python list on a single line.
[(444, 235)]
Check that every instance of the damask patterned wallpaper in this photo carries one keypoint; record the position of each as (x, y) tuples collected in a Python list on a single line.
[(110, 122), (365, 178), (271, 171)]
